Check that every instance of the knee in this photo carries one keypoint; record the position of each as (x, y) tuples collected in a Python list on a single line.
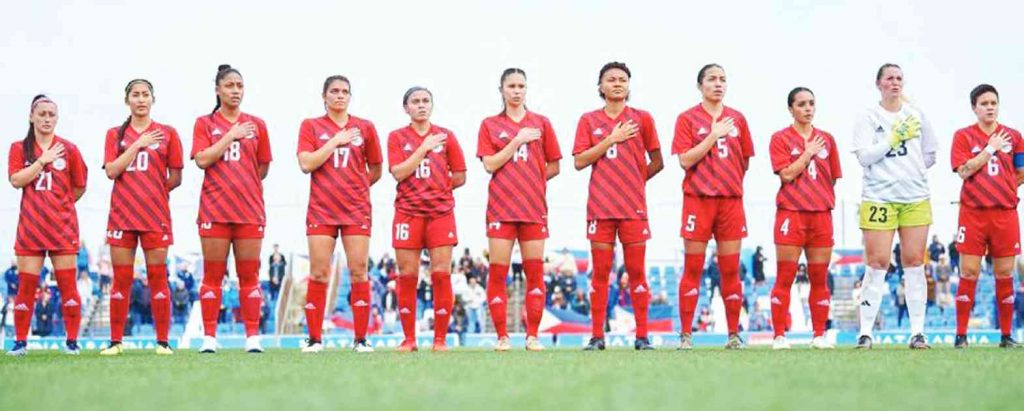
[(358, 274)]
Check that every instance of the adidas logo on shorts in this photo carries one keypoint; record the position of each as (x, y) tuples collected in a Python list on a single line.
[(310, 306), (496, 300)]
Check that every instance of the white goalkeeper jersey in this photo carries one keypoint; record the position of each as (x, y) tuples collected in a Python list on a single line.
[(901, 175)]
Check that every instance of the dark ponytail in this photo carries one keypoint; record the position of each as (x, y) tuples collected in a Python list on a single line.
[(124, 126), (222, 71), (28, 145), (501, 83)]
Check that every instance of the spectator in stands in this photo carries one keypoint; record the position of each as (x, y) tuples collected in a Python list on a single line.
[(459, 320), (558, 300), (1018, 305), (466, 261), (229, 302), (929, 278), (954, 256), (140, 303), (705, 322), (943, 289), (105, 270), (424, 294), (580, 304), (897, 259), (660, 299), (387, 266), (619, 294), (85, 290), (277, 265), (83, 258), (568, 283), (935, 250), (11, 279), (46, 308), (901, 303), (181, 302), (188, 281), (566, 263), (475, 298), (713, 274), (758, 265)]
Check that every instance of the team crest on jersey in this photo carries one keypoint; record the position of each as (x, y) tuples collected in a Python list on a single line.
[(358, 141), (1006, 148), (599, 132), (250, 135), (154, 146), (735, 132), (823, 154), (60, 164), (503, 135), (439, 148)]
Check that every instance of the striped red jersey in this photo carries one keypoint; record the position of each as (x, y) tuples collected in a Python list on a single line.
[(813, 189), (232, 188), (48, 218), (428, 192), (995, 185), (720, 173), (618, 179), (339, 191), (139, 201), (517, 191)]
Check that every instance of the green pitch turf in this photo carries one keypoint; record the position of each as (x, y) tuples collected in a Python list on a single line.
[(705, 379)]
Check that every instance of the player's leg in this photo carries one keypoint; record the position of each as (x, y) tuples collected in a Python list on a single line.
[(159, 294), (321, 247), (122, 257), (601, 234), (787, 257), (216, 244), (65, 270), (444, 300), (29, 266), (820, 298), (247, 244), (913, 242), (634, 235), (357, 250), (878, 221), (533, 265), (500, 254)]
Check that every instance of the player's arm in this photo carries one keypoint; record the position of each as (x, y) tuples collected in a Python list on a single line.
[(551, 169), (26, 175), (995, 143), (374, 171), (798, 166), (656, 165), (310, 161), (621, 132), (458, 179), (407, 167), (695, 154), (173, 179), (79, 192), (210, 155), (495, 162), (263, 169)]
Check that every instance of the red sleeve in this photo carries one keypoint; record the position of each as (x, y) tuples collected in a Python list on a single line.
[(1018, 142), (200, 138), (833, 159), (682, 141), (306, 139), (16, 159), (650, 132), (456, 160), (110, 147), (960, 153), (552, 152), (746, 141), (77, 168), (174, 152), (582, 142), (263, 155), (395, 154), (780, 157), (484, 147), (373, 155)]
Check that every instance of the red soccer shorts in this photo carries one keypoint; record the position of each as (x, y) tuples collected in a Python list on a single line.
[(629, 231), (415, 232), (130, 239), (722, 217), (230, 231), (993, 229), (811, 229), (334, 230), (513, 230)]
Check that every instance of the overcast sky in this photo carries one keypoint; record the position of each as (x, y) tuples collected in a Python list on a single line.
[(82, 53)]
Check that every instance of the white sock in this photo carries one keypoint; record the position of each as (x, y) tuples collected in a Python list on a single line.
[(871, 291), (917, 297)]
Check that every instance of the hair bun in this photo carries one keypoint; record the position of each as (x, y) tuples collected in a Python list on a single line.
[(223, 67)]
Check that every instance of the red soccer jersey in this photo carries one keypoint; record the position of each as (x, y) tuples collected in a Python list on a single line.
[(994, 186), (517, 190), (720, 173), (813, 189), (232, 188), (618, 179), (428, 192), (139, 199), (48, 219), (339, 191)]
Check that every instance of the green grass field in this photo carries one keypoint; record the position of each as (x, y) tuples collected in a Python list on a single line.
[(705, 379)]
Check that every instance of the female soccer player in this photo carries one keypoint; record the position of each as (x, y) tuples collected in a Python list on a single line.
[(989, 157), (428, 165), (621, 144), (51, 175), (234, 150), (144, 159), (341, 152), (519, 148), (896, 146), (714, 147), (807, 161)]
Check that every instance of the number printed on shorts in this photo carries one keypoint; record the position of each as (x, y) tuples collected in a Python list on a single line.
[(234, 152), (961, 235), (784, 228), (402, 231), (878, 214), (592, 227), (691, 223), (140, 163)]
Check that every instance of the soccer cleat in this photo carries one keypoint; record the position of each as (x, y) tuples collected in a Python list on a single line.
[(820, 343), (595, 344), (533, 344), (312, 347), (209, 345), (1007, 341), (115, 348), (735, 342), (439, 346), (71, 348), (503, 344), (253, 345), (642, 344), (780, 343), (20, 349), (918, 342), (162, 348), (685, 342), (362, 347), (863, 343), (407, 346), (960, 342)]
